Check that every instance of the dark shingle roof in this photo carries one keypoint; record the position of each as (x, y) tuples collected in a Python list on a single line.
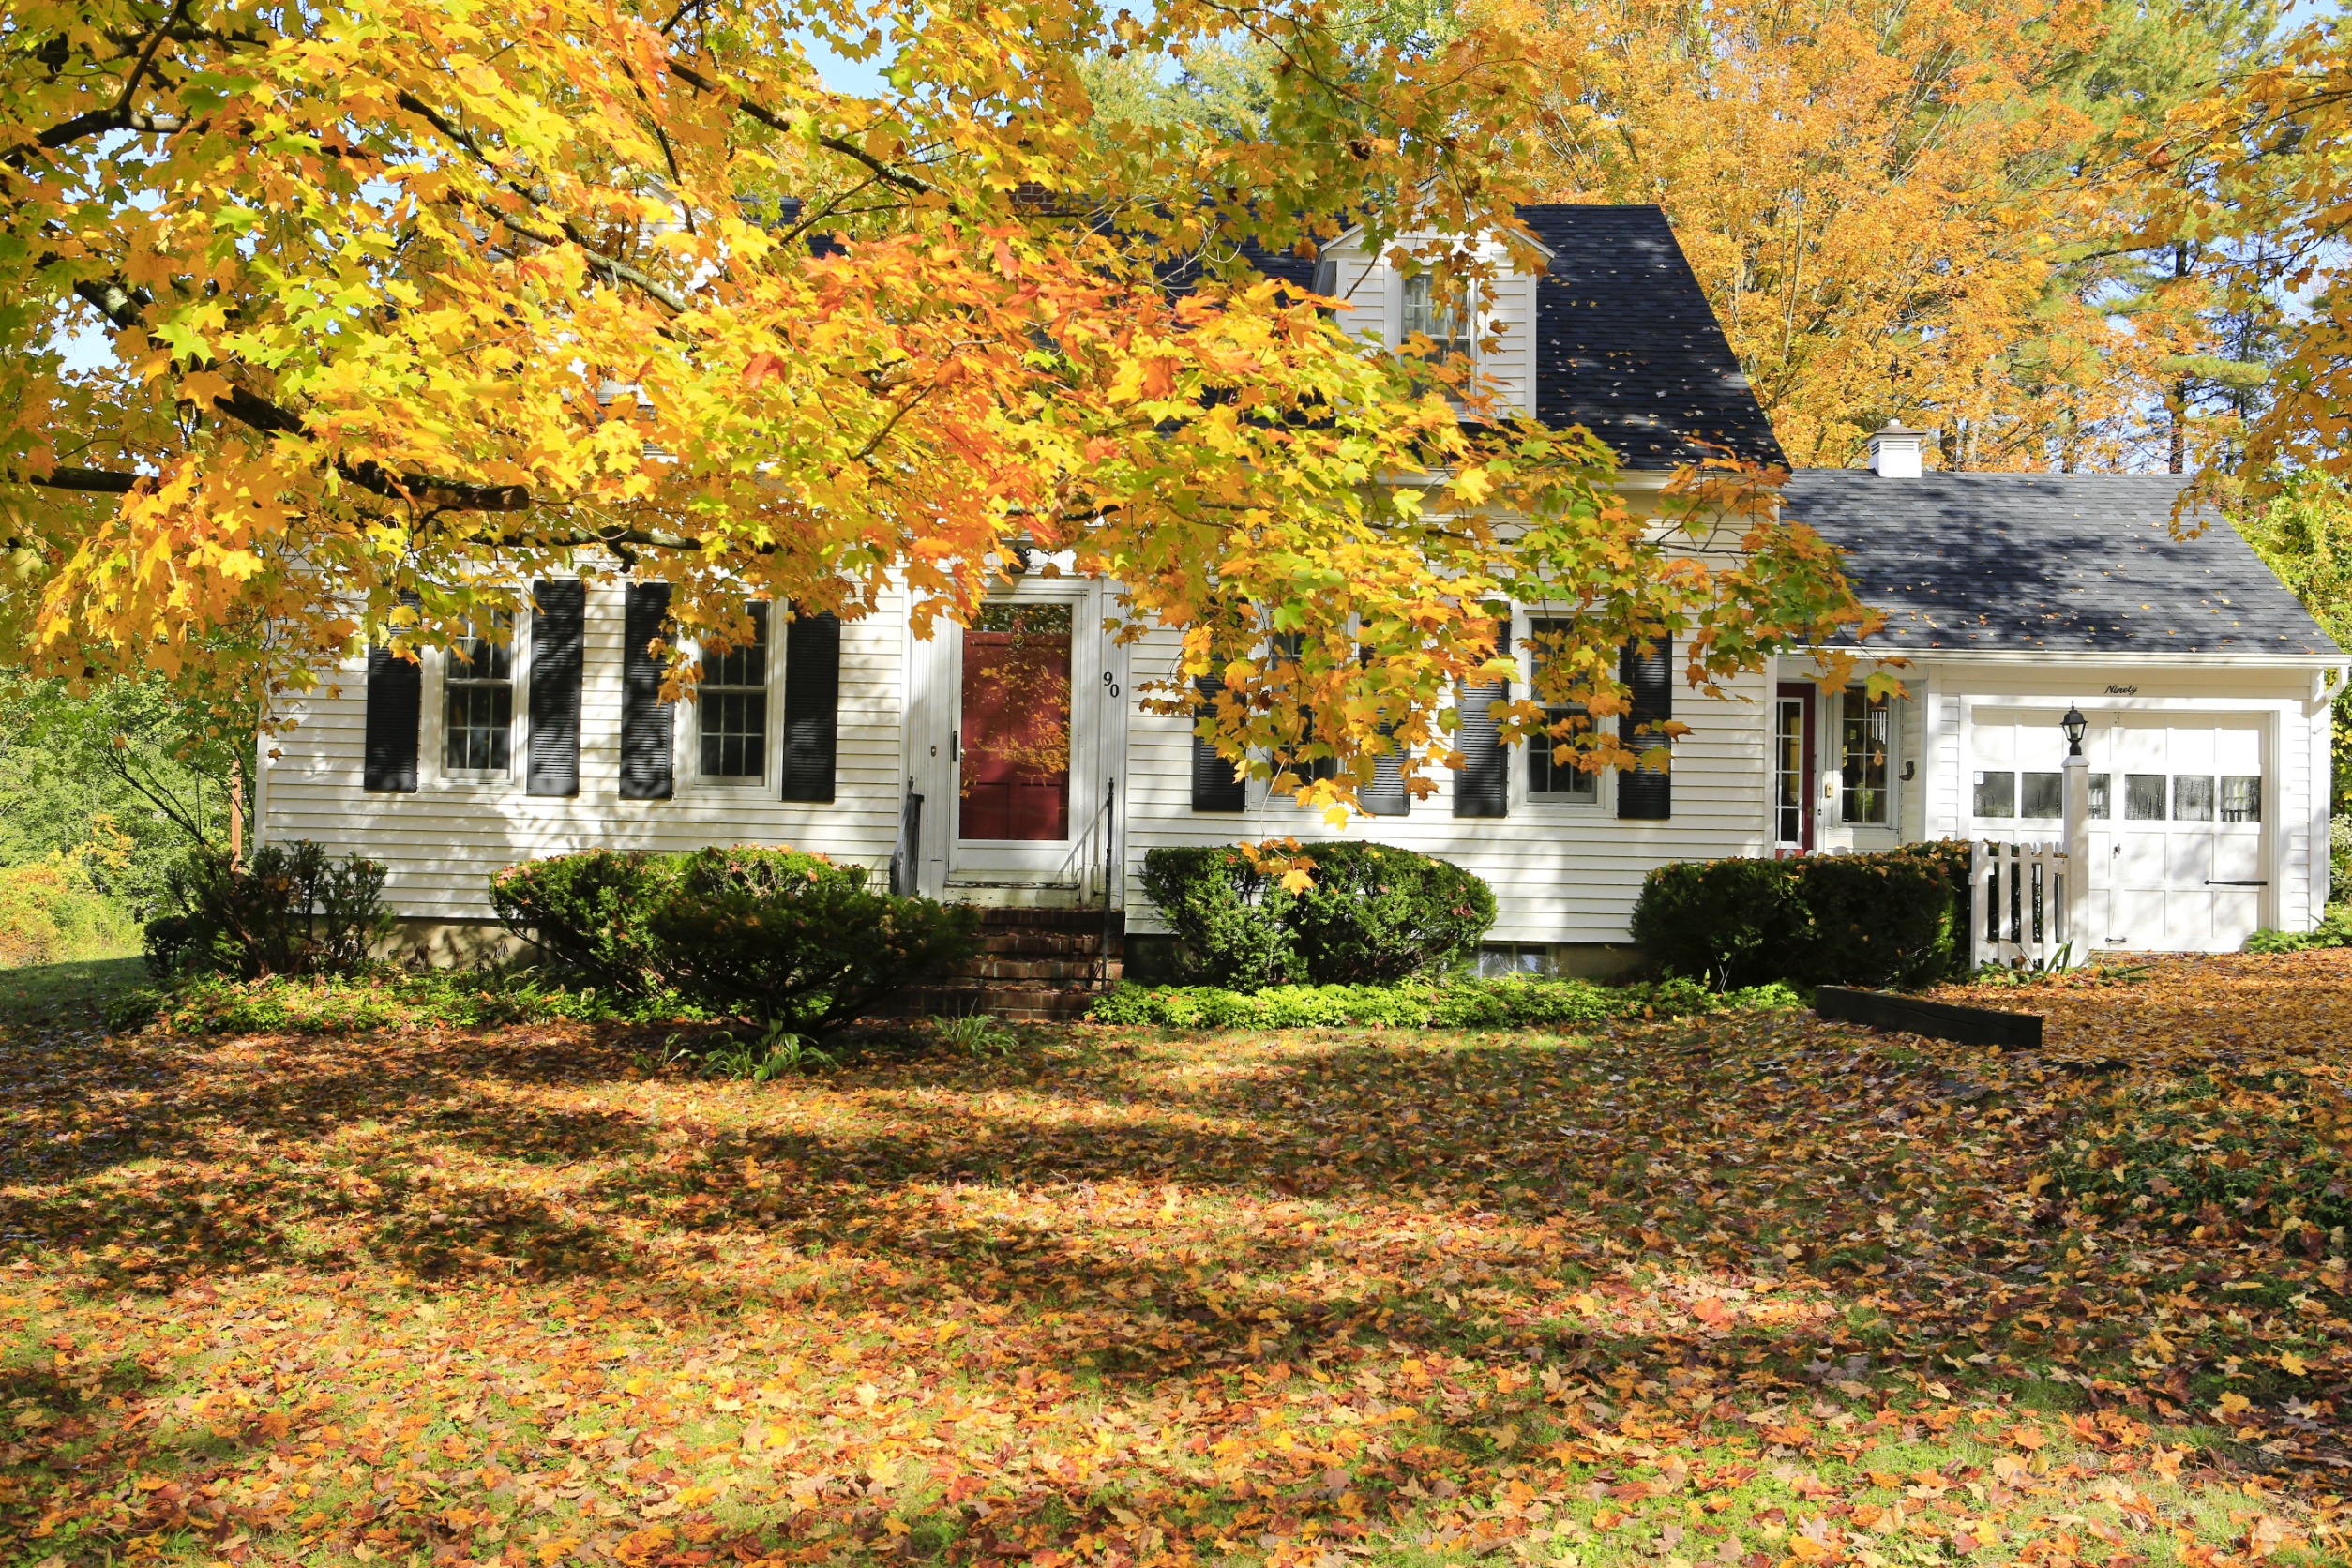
[(2062, 563), (1627, 346)]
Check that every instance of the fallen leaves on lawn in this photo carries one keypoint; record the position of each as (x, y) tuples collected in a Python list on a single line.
[(1743, 1289)]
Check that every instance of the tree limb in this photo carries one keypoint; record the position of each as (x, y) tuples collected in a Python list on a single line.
[(127, 310)]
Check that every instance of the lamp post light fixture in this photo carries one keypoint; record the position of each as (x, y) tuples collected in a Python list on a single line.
[(2076, 727)]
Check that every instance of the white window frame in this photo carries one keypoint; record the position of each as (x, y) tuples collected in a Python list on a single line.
[(1834, 765), (689, 767), (1470, 302), (435, 743), (1603, 801)]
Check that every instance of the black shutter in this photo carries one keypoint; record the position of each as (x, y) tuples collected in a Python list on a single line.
[(1483, 788), (557, 612), (396, 711), (1213, 786), (1386, 795), (813, 705), (648, 724), (1645, 793)]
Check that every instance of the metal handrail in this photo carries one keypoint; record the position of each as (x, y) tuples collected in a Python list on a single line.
[(906, 855)]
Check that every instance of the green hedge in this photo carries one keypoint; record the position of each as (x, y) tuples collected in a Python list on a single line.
[(1507, 1003), (1374, 914), (792, 939), (1896, 918)]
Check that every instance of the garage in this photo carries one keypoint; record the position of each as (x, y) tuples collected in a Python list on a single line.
[(2180, 859)]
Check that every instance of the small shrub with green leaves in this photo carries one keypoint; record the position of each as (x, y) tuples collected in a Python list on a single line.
[(287, 909), (2334, 931), (1897, 918), (792, 939), (1516, 1002), (1373, 914), (975, 1034)]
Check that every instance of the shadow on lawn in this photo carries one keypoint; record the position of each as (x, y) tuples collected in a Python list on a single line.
[(433, 1155)]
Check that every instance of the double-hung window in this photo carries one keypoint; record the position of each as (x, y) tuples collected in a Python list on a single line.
[(1444, 321), (478, 700), (732, 704), (1549, 776)]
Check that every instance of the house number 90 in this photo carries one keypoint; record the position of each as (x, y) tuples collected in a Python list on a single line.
[(1110, 683)]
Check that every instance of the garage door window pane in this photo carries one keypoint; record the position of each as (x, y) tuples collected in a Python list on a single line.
[(1996, 794), (2100, 807), (2192, 798), (2143, 797), (2242, 799), (2044, 796)]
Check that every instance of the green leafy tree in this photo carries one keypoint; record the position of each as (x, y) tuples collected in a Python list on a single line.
[(2305, 534)]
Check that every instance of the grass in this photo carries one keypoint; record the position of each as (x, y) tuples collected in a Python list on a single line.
[(67, 994), (1742, 1289)]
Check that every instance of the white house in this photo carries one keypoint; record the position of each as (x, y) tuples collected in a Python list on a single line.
[(1010, 764)]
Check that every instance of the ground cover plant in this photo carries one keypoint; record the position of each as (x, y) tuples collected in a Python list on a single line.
[(1738, 1289), (1452, 1003)]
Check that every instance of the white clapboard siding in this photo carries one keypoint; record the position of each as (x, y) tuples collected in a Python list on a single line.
[(441, 844), (1559, 873)]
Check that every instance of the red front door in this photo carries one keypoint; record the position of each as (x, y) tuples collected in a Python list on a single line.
[(1792, 768), (1015, 763)]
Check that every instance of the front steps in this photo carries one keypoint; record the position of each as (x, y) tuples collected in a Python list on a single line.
[(1033, 966)]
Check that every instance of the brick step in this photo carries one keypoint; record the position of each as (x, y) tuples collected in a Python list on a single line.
[(1048, 945), (1050, 971)]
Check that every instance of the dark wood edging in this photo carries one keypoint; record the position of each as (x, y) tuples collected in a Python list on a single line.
[(1941, 1021)]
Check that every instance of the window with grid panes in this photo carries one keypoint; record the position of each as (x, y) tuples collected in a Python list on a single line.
[(733, 701), (1444, 321), (1864, 739), (478, 699), (1549, 777)]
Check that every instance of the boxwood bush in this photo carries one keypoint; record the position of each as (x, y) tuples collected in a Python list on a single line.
[(1374, 914), (1898, 918), (790, 938)]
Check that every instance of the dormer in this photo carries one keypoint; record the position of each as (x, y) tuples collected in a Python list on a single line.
[(1492, 319)]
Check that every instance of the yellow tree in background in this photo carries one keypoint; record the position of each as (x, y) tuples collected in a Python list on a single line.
[(1884, 204), (307, 311)]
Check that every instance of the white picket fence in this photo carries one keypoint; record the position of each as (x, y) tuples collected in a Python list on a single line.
[(2018, 903)]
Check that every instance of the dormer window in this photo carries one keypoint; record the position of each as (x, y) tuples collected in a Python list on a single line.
[(1446, 323)]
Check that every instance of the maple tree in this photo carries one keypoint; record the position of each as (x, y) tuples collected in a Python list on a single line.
[(1890, 205), (398, 297)]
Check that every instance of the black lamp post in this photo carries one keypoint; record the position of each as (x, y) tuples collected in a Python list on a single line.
[(2076, 727)]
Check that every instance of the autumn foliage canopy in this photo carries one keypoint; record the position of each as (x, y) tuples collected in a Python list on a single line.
[(305, 307)]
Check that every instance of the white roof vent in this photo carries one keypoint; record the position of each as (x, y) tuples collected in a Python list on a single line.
[(1895, 452)]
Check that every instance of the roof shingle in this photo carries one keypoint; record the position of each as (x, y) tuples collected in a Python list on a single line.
[(2060, 563)]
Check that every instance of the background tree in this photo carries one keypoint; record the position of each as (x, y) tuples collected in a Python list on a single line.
[(403, 296), (1898, 210)]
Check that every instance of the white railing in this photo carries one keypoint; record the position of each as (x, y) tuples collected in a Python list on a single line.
[(2018, 904)]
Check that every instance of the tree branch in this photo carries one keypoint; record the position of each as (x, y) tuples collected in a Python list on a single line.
[(911, 184), (127, 310), (90, 481)]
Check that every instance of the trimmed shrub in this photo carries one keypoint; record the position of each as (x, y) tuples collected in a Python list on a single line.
[(50, 913), (587, 913), (1226, 911), (1374, 914), (797, 940), (1899, 918), (778, 935), (288, 910), (1512, 1004)]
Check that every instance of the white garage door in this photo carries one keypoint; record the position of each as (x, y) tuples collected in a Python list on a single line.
[(2178, 860), (2184, 836)]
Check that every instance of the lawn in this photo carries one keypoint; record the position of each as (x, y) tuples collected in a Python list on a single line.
[(1742, 1289)]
